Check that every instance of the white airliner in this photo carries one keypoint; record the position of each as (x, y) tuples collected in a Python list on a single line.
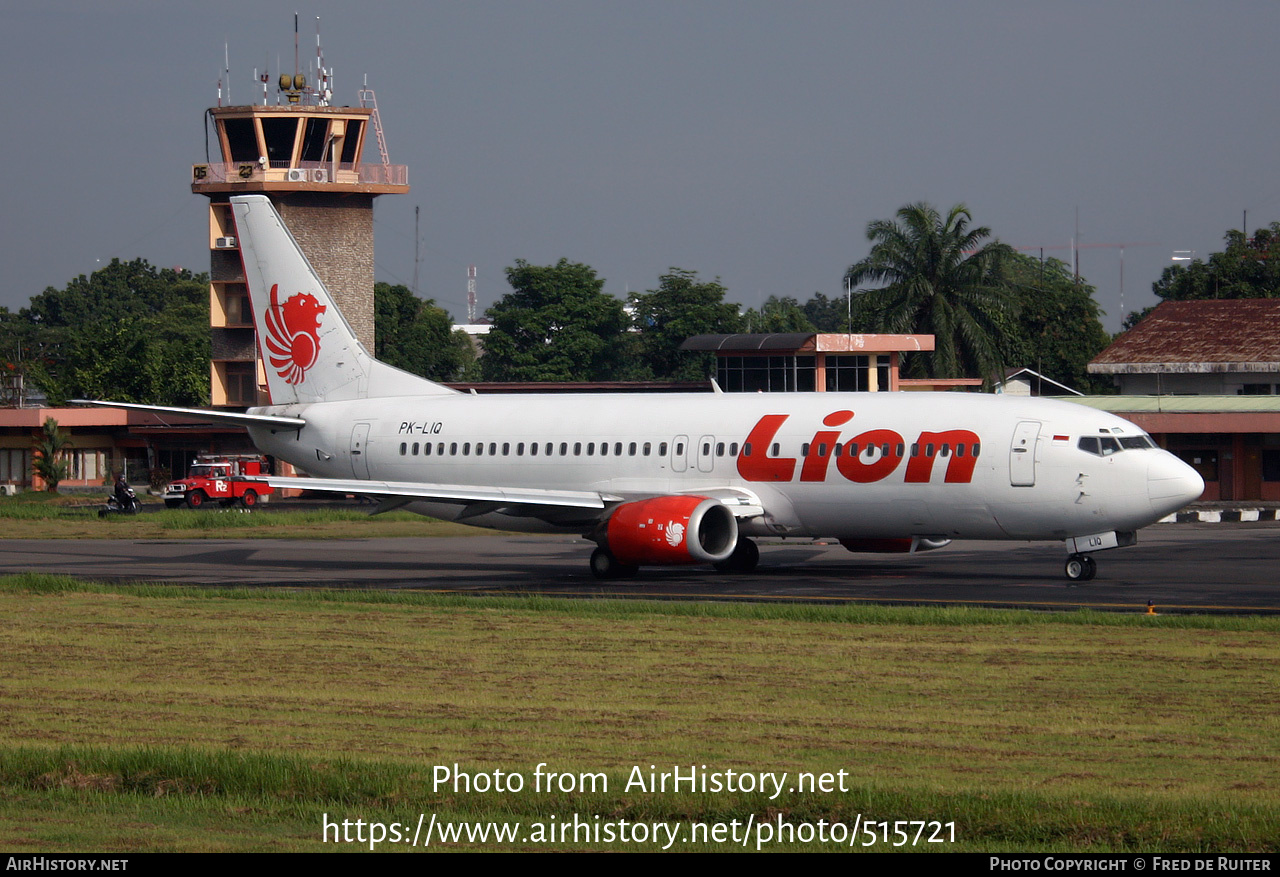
[(685, 478)]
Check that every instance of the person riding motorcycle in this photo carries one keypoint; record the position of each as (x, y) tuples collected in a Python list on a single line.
[(122, 491), (121, 499)]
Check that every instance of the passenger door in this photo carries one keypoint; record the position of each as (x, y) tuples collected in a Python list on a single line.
[(1022, 454), (359, 450)]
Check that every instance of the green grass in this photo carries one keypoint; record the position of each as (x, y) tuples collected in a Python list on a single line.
[(52, 516), (158, 717), (165, 799)]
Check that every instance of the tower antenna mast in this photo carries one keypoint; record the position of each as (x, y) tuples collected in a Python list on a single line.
[(471, 294), (416, 238)]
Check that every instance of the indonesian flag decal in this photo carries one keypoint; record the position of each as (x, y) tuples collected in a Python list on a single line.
[(293, 334)]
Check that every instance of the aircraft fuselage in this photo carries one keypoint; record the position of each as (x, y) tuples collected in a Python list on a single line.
[(844, 466)]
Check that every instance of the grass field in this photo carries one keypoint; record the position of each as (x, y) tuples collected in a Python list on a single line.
[(54, 516), (158, 718)]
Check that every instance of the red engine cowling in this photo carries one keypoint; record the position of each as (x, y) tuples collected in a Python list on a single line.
[(671, 529)]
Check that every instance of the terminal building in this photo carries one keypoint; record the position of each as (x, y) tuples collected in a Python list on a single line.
[(806, 362)]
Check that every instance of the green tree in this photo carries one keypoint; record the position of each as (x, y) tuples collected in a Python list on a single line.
[(682, 306), (1059, 323), (417, 335), (827, 314), (778, 315), (16, 336), (1245, 268), (938, 276), (120, 291), (49, 465), (129, 331), (557, 324)]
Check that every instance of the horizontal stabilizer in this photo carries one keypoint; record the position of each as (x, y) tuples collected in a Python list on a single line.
[(267, 420)]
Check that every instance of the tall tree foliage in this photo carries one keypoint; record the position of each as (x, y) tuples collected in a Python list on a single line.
[(778, 314), (417, 335), (129, 331), (1245, 268), (1059, 323), (682, 306), (827, 314), (17, 346), (556, 324), (1248, 267), (934, 274)]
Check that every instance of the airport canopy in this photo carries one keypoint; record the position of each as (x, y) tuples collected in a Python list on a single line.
[(808, 342)]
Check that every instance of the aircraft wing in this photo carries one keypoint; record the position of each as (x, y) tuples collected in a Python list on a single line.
[(743, 503), (485, 498), (459, 493), (276, 420)]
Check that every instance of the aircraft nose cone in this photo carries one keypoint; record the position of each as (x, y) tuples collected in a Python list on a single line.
[(1171, 483)]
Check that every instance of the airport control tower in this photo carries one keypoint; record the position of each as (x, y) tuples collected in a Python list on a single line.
[(310, 158)]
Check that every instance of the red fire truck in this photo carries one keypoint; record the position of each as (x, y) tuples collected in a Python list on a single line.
[(210, 479)]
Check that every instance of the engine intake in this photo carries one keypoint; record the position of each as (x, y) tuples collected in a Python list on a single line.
[(671, 529)]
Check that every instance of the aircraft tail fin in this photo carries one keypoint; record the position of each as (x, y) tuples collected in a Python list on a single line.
[(308, 349)]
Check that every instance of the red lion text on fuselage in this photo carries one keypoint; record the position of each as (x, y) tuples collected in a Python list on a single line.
[(864, 458)]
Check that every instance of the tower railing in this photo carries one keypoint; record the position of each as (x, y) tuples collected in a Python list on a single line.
[(251, 172)]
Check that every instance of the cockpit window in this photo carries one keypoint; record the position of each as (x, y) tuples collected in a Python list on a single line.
[(1106, 445)]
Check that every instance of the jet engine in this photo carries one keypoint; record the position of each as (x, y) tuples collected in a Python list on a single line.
[(671, 529)]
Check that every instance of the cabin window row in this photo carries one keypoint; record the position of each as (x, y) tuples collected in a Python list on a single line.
[(531, 449), (853, 449), (646, 449)]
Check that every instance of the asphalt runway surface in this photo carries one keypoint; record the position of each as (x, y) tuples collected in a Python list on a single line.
[(1226, 568)]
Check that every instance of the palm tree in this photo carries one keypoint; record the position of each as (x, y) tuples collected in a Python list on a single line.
[(936, 276), (49, 465)]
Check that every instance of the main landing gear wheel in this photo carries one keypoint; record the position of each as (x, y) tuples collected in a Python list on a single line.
[(605, 566), (1081, 568), (745, 558)]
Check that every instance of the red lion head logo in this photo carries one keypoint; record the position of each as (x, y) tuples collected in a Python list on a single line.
[(293, 334)]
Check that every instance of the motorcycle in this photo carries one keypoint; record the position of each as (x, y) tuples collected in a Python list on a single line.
[(130, 505)]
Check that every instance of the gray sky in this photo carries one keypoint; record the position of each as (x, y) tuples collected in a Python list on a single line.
[(752, 141)]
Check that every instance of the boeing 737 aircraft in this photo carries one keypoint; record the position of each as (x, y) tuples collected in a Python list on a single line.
[(679, 478)]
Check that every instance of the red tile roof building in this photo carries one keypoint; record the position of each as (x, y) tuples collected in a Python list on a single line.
[(1219, 347), (1203, 377)]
